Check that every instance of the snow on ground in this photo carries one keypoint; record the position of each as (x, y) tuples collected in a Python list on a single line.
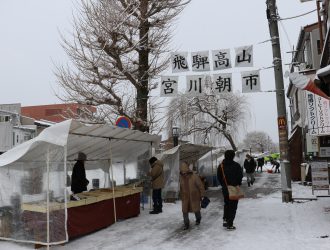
[(262, 221)]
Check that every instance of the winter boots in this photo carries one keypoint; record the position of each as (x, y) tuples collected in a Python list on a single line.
[(231, 228), (156, 210), (250, 183), (224, 224)]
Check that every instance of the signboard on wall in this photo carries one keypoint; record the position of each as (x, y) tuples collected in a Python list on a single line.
[(318, 114)]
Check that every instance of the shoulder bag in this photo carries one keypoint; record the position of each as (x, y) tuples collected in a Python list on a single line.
[(235, 192)]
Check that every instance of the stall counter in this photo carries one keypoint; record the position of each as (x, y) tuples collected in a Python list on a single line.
[(94, 211)]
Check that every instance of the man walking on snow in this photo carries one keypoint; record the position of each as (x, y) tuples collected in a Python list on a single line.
[(229, 172), (157, 179), (250, 167)]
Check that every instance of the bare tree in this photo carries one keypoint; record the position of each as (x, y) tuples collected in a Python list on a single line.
[(209, 118), (117, 49), (259, 141)]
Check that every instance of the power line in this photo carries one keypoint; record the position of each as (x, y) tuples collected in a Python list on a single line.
[(287, 18)]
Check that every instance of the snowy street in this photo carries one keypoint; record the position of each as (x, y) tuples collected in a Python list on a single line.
[(262, 221)]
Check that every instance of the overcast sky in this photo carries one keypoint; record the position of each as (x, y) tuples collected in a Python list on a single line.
[(30, 43)]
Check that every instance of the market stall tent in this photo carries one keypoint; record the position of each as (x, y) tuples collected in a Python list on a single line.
[(171, 158), (35, 173)]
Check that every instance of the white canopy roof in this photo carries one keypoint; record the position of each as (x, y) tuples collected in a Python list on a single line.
[(188, 152), (97, 141)]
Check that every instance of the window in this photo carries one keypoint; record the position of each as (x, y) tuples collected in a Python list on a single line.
[(295, 106), (50, 112), (27, 137), (308, 54), (297, 102), (5, 118), (319, 49)]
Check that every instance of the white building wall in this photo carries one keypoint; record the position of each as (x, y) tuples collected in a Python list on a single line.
[(21, 135), (6, 136), (14, 108)]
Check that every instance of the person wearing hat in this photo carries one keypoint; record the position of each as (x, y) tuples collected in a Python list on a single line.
[(79, 182), (192, 191), (157, 179)]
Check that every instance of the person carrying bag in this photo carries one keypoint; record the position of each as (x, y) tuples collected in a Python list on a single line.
[(234, 192), (230, 177)]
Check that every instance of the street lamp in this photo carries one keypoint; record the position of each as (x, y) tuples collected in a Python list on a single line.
[(175, 135)]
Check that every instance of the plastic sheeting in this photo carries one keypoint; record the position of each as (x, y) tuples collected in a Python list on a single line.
[(172, 158), (35, 176)]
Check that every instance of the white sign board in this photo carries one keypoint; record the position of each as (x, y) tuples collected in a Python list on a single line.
[(222, 83), (323, 115), (195, 85), (179, 61), (244, 56), (318, 114), (200, 61), (320, 176), (169, 86), (221, 59), (312, 144), (250, 81), (324, 152)]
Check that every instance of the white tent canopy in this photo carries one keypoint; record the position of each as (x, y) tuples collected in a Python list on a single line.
[(36, 172), (90, 139)]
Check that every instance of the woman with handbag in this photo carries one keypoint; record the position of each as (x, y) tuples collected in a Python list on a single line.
[(229, 174), (192, 191)]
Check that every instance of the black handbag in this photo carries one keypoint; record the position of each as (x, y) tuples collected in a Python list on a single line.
[(205, 202)]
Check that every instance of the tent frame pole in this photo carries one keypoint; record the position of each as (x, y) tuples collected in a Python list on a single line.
[(212, 163), (47, 209), (150, 204), (112, 184), (65, 192)]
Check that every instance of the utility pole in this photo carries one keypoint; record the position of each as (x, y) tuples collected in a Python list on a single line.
[(280, 99)]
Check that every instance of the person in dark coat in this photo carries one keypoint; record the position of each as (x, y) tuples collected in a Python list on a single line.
[(79, 182), (275, 164), (250, 167), (158, 181), (261, 163), (234, 175)]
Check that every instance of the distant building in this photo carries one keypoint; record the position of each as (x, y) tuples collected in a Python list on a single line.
[(14, 128), (306, 61), (19, 124), (59, 112)]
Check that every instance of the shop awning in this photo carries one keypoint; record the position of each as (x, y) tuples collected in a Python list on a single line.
[(93, 140)]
